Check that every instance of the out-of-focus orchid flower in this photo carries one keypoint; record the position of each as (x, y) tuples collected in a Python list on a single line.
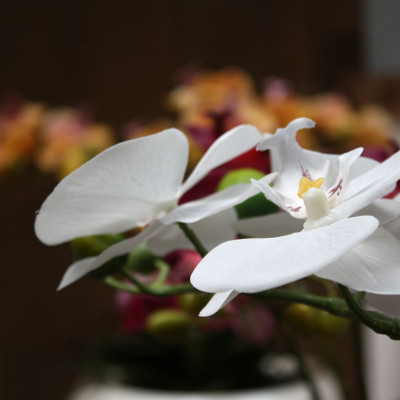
[(321, 189)]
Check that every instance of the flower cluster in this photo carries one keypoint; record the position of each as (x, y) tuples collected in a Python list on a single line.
[(311, 213), (56, 141), (325, 191), (208, 104), (138, 184)]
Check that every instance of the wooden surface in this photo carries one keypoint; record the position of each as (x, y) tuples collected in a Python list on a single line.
[(120, 56)]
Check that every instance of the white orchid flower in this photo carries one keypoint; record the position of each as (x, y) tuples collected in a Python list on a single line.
[(325, 191), (139, 182)]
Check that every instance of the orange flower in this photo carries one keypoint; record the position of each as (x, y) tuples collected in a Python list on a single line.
[(69, 140)]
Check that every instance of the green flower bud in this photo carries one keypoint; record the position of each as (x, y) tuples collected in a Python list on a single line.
[(193, 303), (169, 325), (256, 205), (142, 259), (301, 319), (331, 326), (90, 246)]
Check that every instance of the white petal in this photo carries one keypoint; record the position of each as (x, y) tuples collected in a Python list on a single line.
[(211, 231), (338, 178), (393, 227), (293, 161), (388, 171), (361, 166), (384, 210), (218, 301), (195, 210), (116, 190), (287, 135), (267, 226), (293, 205), (253, 265), (367, 196), (80, 268), (372, 265), (228, 146), (386, 304)]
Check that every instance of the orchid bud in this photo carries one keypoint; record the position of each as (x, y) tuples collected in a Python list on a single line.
[(193, 303), (169, 325), (331, 326), (90, 246), (301, 319), (142, 260)]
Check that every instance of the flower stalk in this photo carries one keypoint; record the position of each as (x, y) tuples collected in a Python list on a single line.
[(189, 233), (378, 322)]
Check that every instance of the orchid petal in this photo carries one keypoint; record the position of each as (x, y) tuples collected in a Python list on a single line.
[(393, 227), (207, 206), (341, 176), (116, 190), (372, 265), (358, 167), (218, 301), (211, 232), (285, 136), (267, 226), (228, 146), (367, 196), (388, 171), (361, 166), (254, 265), (384, 210), (82, 267), (296, 208), (293, 161)]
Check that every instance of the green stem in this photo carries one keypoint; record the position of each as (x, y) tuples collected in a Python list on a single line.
[(163, 268), (376, 321), (117, 284), (347, 308), (139, 287), (193, 238), (333, 305)]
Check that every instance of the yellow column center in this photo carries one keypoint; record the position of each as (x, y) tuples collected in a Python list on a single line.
[(306, 184)]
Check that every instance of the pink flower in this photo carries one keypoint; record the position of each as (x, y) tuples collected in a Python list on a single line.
[(183, 263)]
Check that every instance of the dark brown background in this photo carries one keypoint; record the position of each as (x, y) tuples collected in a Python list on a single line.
[(119, 58)]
